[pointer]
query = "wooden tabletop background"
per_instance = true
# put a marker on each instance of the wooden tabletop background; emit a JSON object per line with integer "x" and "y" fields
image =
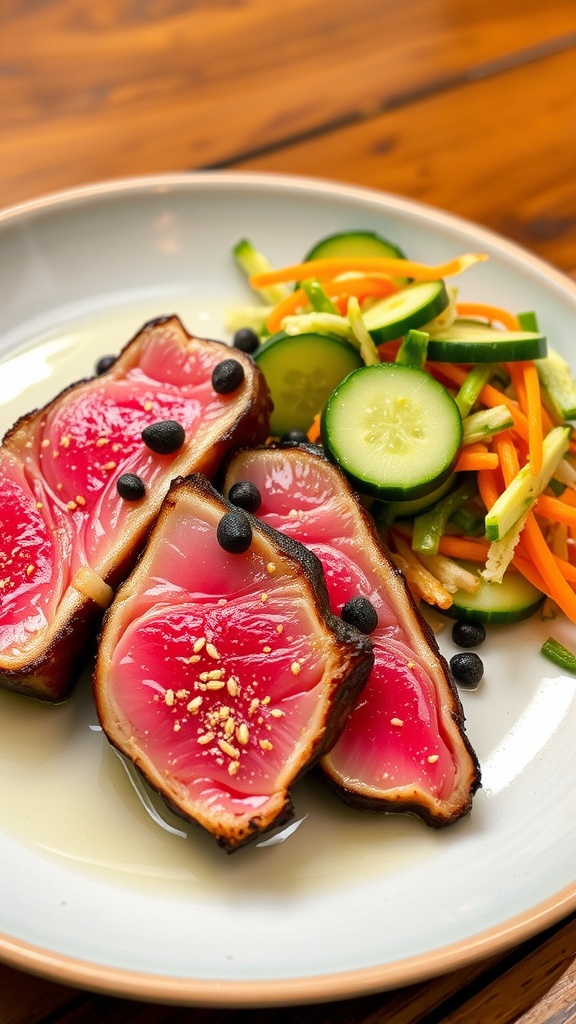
{"x": 464, "y": 105}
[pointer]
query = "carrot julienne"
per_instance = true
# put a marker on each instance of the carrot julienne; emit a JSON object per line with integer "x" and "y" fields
{"x": 333, "y": 265}
{"x": 488, "y": 312}
{"x": 534, "y": 546}
{"x": 473, "y": 458}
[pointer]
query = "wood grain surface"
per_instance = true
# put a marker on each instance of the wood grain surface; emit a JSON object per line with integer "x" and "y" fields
{"x": 467, "y": 106}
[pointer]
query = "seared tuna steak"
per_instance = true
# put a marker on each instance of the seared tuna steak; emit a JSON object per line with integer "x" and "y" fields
{"x": 82, "y": 479}
{"x": 221, "y": 672}
{"x": 403, "y": 748}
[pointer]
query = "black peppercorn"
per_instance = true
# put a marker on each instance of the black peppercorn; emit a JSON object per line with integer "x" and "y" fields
{"x": 361, "y": 613}
{"x": 467, "y": 669}
{"x": 245, "y": 495}
{"x": 104, "y": 363}
{"x": 130, "y": 487}
{"x": 234, "y": 532}
{"x": 164, "y": 437}
{"x": 227, "y": 376}
{"x": 246, "y": 340}
{"x": 468, "y": 634}
{"x": 299, "y": 436}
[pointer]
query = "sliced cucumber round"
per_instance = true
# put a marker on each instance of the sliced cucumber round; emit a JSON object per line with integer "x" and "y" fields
{"x": 412, "y": 307}
{"x": 512, "y": 600}
{"x": 393, "y": 430}
{"x": 301, "y": 372}
{"x": 387, "y": 511}
{"x": 354, "y": 243}
{"x": 469, "y": 341}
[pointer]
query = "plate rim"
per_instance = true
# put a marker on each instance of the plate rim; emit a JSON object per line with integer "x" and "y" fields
{"x": 130, "y": 983}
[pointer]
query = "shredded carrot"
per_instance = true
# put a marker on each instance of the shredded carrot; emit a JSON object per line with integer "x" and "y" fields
{"x": 473, "y": 458}
{"x": 533, "y": 546}
{"x": 524, "y": 377}
{"x": 295, "y": 302}
{"x": 489, "y": 485}
{"x": 333, "y": 265}
{"x": 487, "y": 312}
{"x": 468, "y": 548}
{"x": 556, "y": 509}
{"x": 507, "y": 455}
{"x": 314, "y": 429}
{"x": 361, "y": 287}
{"x": 489, "y": 395}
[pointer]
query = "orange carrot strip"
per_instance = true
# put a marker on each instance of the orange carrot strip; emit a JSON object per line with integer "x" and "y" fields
{"x": 293, "y": 303}
{"x": 333, "y": 265}
{"x": 314, "y": 429}
{"x": 507, "y": 455}
{"x": 489, "y": 395}
{"x": 468, "y": 548}
{"x": 489, "y": 485}
{"x": 555, "y": 508}
{"x": 487, "y": 312}
{"x": 471, "y": 461}
{"x": 534, "y": 546}
{"x": 534, "y": 414}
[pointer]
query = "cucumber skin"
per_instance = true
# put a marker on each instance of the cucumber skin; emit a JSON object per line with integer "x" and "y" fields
{"x": 414, "y": 320}
{"x": 503, "y": 348}
{"x": 283, "y": 419}
{"x": 354, "y": 243}
{"x": 463, "y": 607}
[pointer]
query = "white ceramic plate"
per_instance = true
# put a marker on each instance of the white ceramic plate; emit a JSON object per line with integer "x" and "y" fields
{"x": 93, "y": 889}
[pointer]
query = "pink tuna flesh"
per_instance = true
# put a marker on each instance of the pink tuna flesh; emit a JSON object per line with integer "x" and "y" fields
{"x": 403, "y": 747}
{"x": 222, "y": 675}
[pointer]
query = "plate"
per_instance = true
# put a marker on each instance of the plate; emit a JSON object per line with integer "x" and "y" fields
{"x": 100, "y": 887}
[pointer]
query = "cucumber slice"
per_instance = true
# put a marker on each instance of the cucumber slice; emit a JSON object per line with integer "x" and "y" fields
{"x": 511, "y": 600}
{"x": 469, "y": 341}
{"x": 394, "y": 431}
{"x": 301, "y": 372}
{"x": 412, "y": 307}
{"x": 354, "y": 243}
{"x": 385, "y": 512}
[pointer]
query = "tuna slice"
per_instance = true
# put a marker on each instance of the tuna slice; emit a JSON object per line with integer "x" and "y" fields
{"x": 67, "y": 535}
{"x": 403, "y": 748}
{"x": 225, "y": 676}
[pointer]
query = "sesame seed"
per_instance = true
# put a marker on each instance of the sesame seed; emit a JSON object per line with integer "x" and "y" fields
{"x": 108, "y": 466}
{"x": 205, "y": 738}
{"x": 295, "y": 668}
{"x": 292, "y": 514}
{"x": 254, "y": 703}
{"x": 265, "y": 700}
{"x": 45, "y": 443}
{"x": 169, "y": 698}
{"x": 263, "y": 598}
{"x": 80, "y": 500}
{"x": 215, "y": 684}
{"x": 39, "y": 505}
{"x": 229, "y": 727}
{"x": 242, "y": 734}
{"x": 212, "y": 652}
{"x": 194, "y": 706}
{"x": 199, "y": 644}
{"x": 30, "y": 569}
{"x": 279, "y": 628}
{"x": 266, "y": 650}
{"x": 433, "y": 758}
{"x": 271, "y": 568}
{"x": 224, "y": 712}
{"x": 216, "y": 673}
{"x": 71, "y": 505}
{"x": 101, "y": 442}
{"x": 147, "y": 406}
{"x": 265, "y": 745}
{"x": 65, "y": 440}
{"x": 177, "y": 726}
{"x": 233, "y": 767}
{"x": 232, "y": 686}
{"x": 227, "y": 748}
{"x": 276, "y": 713}
{"x": 182, "y": 694}
{"x": 397, "y": 722}
{"x": 193, "y": 659}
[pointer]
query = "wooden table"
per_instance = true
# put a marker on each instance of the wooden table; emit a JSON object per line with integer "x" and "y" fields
{"x": 467, "y": 106}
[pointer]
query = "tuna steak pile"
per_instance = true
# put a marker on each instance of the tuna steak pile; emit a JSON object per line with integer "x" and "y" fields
{"x": 83, "y": 478}
{"x": 222, "y": 673}
{"x": 404, "y": 746}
